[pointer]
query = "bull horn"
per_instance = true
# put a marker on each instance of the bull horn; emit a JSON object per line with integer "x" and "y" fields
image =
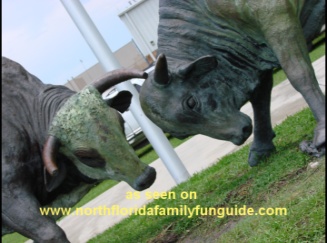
{"x": 49, "y": 154}
{"x": 117, "y": 76}
{"x": 161, "y": 73}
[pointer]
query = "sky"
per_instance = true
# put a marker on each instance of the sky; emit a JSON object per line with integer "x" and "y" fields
{"x": 42, "y": 37}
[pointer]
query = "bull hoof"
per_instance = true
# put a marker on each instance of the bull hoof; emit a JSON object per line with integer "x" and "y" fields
{"x": 256, "y": 156}
{"x": 309, "y": 148}
{"x": 320, "y": 135}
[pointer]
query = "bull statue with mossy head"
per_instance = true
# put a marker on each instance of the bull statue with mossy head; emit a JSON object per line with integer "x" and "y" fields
{"x": 57, "y": 144}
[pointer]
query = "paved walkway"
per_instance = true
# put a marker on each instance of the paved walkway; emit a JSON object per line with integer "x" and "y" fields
{"x": 197, "y": 154}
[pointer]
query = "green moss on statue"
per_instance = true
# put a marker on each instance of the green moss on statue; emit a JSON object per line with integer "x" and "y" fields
{"x": 76, "y": 118}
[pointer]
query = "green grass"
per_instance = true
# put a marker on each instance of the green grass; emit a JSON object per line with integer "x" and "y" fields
{"x": 148, "y": 155}
{"x": 303, "y": 193}
{"x": 283, "y": 180}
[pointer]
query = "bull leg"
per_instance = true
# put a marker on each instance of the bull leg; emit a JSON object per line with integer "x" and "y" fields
{"x": 289, "y": 45}
{"x": 262, "y": 145}
{"x": 312, "y": 19}
{"x": 20, "y": 211}
{"x": 70, "y": 199}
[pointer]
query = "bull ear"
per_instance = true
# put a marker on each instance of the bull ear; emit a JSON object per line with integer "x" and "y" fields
{"x": 121, "y": 101}
{"x": 198, "y": 67}
{"x": 161, "y": 73}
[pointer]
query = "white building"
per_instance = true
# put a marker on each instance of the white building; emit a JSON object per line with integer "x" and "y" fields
{"x": 141, "y": 18}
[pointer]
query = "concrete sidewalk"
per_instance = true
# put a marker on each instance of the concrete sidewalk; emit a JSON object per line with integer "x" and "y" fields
{"x": 197, "y": 154}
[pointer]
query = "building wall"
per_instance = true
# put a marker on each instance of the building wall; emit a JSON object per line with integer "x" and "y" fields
{"x": 128, "y": 56}
{"x": 142, "y": 19}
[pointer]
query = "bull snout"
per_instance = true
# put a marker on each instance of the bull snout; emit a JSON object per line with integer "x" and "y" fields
{"x": 246, "y": 132}
{"x": 243, "y": 131}
{"x": 145, "y": 180}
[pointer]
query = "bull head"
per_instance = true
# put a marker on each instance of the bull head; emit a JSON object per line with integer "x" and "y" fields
{"x": 195, "y": 98}
{"x": 91, "y": 134}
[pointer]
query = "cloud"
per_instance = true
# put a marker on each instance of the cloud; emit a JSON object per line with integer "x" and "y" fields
{"x": 43, "y": 38}
{"x": 32, "y": 35}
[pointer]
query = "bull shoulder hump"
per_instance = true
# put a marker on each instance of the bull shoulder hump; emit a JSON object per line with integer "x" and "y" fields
{"x": 204, "y": 33}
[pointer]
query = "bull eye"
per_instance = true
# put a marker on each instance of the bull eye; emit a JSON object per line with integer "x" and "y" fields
{"x": 93, "y": 162}
{"x": 90, "y": 158}
{"x": 191, "y": 102}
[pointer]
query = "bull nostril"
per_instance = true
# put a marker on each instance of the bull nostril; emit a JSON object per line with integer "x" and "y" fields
{"x": 142, "y": 185}
{"x": 247, "y": 130}
{"x": 146, "y": 179}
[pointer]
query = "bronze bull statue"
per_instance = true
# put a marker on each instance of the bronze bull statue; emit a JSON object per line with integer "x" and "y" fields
{"x": 214, "y": 56}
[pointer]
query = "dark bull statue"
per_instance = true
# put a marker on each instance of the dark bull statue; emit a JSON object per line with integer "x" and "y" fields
{"x": 57, "y": 144}
{"x": 214, "y": 56}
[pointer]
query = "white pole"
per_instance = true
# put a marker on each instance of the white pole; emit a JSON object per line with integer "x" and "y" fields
{"x": 108, "y": 61}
